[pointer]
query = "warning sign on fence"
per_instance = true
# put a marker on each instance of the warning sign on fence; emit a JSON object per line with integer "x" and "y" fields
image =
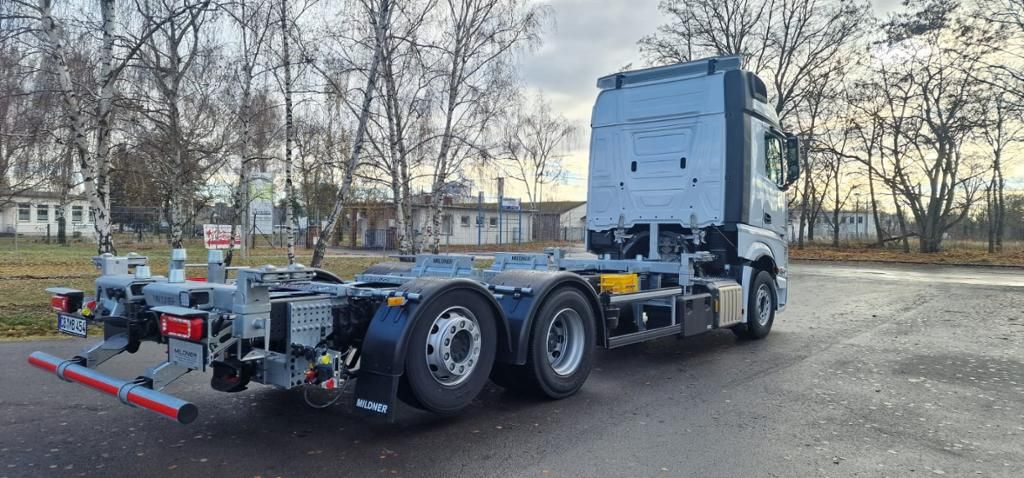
{"x": 218, "y": 236}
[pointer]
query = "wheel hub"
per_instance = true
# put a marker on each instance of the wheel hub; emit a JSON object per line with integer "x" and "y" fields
{"x": 453, "y": 346}
{"x": 565, "y": 342}
{"x": 764, "y": 305}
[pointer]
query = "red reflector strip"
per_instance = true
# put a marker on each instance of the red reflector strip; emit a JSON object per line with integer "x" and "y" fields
{"x": 90, "y": 382}
{"x": 148, "y": 404}
{"x": 49, "y": 367}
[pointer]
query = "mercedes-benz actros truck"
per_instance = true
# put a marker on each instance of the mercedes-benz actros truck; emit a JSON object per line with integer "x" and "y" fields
{"x": 686, "y": 233}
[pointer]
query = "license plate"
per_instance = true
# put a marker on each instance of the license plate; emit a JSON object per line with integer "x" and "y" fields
{"x": 71, "y": 325}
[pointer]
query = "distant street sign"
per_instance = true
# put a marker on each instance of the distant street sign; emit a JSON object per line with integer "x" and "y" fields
{"x": 218, "y": 236}
{"x": 510, "y": 204}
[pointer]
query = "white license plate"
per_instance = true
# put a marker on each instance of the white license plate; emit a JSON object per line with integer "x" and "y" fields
{"x": 67, "y": 324}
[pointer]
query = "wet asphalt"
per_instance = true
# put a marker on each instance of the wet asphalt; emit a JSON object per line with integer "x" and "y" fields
{"x": 871, "y": 371}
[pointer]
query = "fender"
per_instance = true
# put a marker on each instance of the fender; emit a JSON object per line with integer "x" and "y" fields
{"x": 520, "y": 311}
{"x": 382, "y": 358}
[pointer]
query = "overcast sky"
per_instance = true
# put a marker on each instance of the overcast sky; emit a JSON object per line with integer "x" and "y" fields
{"x": 589, "y": 39}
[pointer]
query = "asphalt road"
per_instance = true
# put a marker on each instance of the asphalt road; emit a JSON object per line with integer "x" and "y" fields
{"x": 871, "y": 371}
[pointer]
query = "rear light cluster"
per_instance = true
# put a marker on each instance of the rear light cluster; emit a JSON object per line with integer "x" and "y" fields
{"x": 61, "y": 303}
{"x": 188, "y": 328}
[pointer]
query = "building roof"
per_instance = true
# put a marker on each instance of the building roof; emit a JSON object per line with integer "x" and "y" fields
{"x": 546, "y": 207}
{"x": 558, "y": 207}
{"x": 39, "y": 195}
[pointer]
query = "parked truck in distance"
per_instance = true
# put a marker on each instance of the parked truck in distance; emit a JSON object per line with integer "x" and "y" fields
{"x": 686, "y": 233}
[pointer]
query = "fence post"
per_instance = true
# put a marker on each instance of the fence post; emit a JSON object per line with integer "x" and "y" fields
{"x": 519, "y": 234}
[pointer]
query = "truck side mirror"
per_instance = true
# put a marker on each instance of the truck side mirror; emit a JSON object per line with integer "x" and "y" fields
{"x": 792, "y": 160}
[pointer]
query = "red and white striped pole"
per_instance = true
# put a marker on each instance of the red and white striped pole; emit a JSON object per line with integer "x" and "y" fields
{"x": 129, "y": 392}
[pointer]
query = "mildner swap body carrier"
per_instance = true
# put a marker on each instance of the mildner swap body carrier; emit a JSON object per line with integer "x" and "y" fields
{"x": 686, "y": 219}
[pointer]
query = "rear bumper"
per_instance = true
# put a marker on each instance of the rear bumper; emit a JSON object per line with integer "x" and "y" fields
{"x": 130, "y": 392}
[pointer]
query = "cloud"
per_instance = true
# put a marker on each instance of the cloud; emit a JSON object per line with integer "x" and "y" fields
{"x": 585, "y": 41}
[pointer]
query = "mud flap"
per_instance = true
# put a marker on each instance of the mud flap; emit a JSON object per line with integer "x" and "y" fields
{"x": 383, "y": 352}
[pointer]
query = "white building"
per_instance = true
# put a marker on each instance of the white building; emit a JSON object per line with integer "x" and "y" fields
{"x": 34, "y": 213}
{"x": 852, "y": 225}
{"x": 372, "y": 225}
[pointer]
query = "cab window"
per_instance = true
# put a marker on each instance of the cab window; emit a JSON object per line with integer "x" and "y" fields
{"x": 774, "y": 158}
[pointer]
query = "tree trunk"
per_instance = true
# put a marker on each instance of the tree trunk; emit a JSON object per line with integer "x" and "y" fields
{"x": 879, "y": 237}
{"x": 289, "y": 132}
{"x": 104, "y": 122}
{"x": 835, "y": 213}
{"x": 903, "y": 225}
{"x": 1000, "y": 205}
{"x": 93, "y": 174}
{"x": 990, "y": 215}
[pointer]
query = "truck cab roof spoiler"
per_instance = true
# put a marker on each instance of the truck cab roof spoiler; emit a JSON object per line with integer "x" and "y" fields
{"x": 704, "y": 66}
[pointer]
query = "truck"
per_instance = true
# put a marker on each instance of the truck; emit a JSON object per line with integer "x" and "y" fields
{"x": 686, "y": 233}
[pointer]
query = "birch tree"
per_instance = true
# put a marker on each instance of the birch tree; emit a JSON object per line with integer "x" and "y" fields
{"x": 289, "y": 134}
{"x": 184, "y": 135}
{"x": 252, "y": 20}
{"x": 476, "y": 40}
{"x": 378, "y": 12}
{"x": 401, "y": 137}
{"x": 92, "y": 157}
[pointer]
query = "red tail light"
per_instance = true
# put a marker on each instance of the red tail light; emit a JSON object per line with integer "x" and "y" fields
{"x": 188, "y": 328}
{"x": 61, "y": 303}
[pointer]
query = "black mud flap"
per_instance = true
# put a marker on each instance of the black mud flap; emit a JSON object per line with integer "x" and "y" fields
{"x": 375, "y": 395}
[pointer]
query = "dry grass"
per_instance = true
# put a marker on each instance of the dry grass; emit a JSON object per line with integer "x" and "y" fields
{"x": 25, "y": 273}
{"x": 954, "y": 253}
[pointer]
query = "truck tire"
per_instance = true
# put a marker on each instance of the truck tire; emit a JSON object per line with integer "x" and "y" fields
{"x": 561, "y": 348}
{"x": 450, "y": 353}
{"x": 762, "y": 301}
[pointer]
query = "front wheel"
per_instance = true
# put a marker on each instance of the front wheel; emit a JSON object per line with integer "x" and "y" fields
{"x": 762, "y": 301}
{"x": 561, "y": 349}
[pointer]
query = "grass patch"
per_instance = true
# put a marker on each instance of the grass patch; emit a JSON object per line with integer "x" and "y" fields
{"x": 955, "y": 253}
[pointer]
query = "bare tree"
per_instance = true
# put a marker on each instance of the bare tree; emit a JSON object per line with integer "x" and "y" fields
{"x": 477, "y": 37}
{"x": 252, "y": 19}
{"x": 402, "y": 136}
{"x": 378, "y": 12}
{"x": 92, "y": 158}
{"x": 785, "y": 41}
{"x": 532, "y": 144}
{"x": 932, "y": 98}
{"x": 289, "y": 134}
{"x": 1001, "y": 129}
{"x": 183, "y": 133}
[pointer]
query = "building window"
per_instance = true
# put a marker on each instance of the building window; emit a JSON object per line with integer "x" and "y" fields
{"x": 43, "y": 213}
{"x": 24, "y": 212}
{"x": 446, "y": 224}
{"x": 464, "y": 221}
{"x": 76, "y": 214}
{"x": 492, "y": 221}
{"x": 860, "y": 219}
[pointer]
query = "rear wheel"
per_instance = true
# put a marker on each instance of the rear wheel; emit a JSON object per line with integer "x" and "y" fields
{"x": 762, "y": 302}
{"x": 561, "y": 348}
{"x": 450, "y": 353}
